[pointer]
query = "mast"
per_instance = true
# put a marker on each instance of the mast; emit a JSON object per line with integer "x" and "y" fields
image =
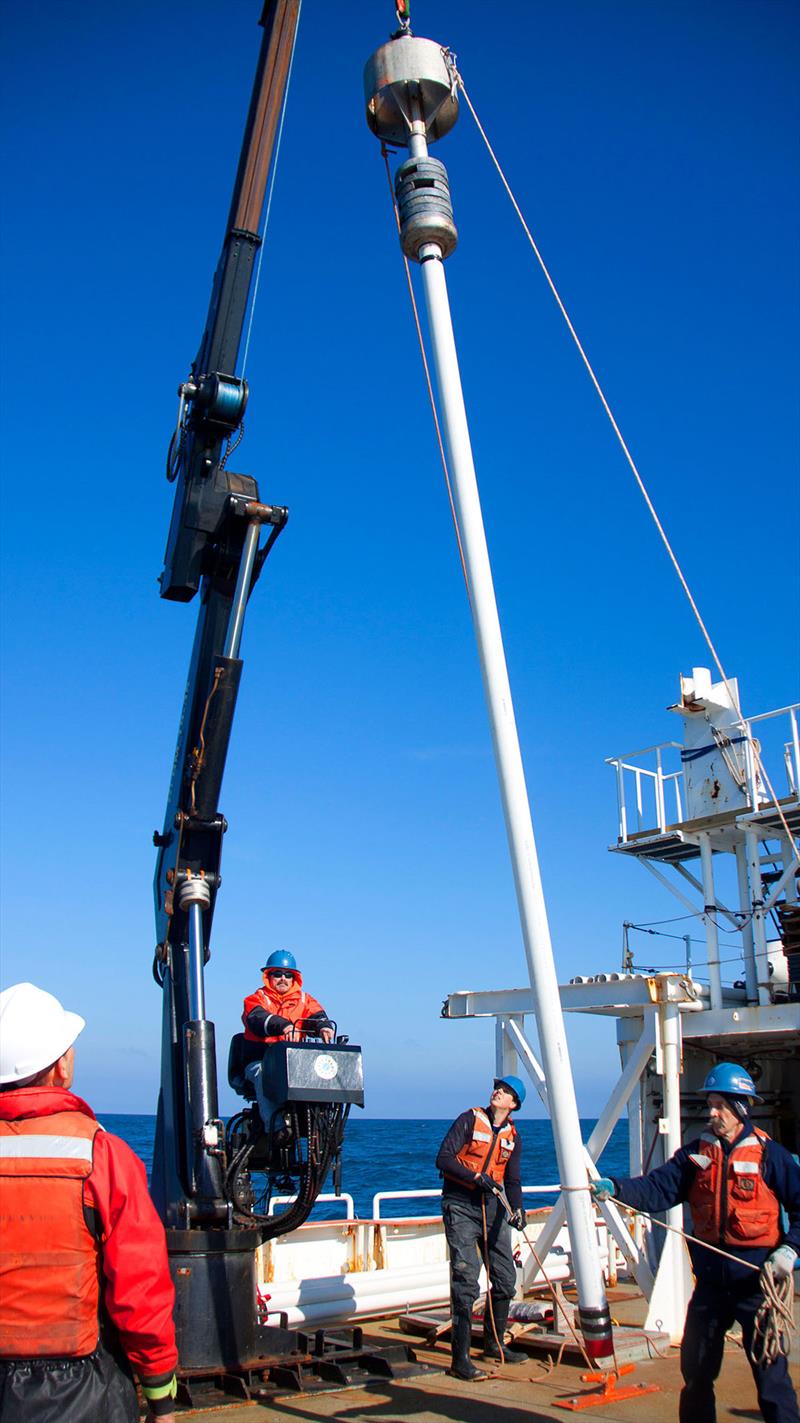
{"x": 411, "y": 101}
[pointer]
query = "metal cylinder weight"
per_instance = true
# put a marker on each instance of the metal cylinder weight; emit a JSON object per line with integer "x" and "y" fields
{"x": 424, "y": 206}
{"x": 407, "y": 80}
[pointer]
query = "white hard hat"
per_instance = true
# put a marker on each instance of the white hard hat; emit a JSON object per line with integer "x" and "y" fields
{"x": 35, "y": 1031}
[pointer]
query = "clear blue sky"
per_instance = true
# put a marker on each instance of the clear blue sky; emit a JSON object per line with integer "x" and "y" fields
{"x": 654, "y": 150}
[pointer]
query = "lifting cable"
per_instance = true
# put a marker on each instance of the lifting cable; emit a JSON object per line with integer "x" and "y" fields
{"x": 450, "y": 61}
{"x": 558, "y": 1303}
{"x": 774, "y": 1322}
{"x": 271, "y": 190}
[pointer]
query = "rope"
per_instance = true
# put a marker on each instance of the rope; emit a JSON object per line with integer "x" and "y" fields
{"x": 557, "y": 1302}
{"x": 489, "y": 1305}
{"x": 625, "y": 450}
{"x": 429, "y": 383}
{"x": 273, "y": 175}
{"x": 715, "y": 1249}
{"x": 774, "y": 1322}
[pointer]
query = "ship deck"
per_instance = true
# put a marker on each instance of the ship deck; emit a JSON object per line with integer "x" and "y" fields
{"x": 513, "y": 1393}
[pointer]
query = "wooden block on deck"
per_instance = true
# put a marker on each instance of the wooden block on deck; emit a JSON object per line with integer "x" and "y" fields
{"x": 630, "y": 1343}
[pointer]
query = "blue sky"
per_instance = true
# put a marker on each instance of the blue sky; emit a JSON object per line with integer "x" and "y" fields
{"x": 653, "y": 149}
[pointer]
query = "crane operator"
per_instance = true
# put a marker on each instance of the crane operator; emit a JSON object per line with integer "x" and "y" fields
{"x": 279, "y": 1010}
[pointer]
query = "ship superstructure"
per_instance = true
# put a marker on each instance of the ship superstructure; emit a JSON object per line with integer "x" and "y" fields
{"x": 713, "y": 818}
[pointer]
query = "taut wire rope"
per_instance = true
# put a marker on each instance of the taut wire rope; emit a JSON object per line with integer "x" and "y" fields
{"x": 624, "y": 447}
{"x": 774, "y": 1322}
{"x": 272, "y": 177}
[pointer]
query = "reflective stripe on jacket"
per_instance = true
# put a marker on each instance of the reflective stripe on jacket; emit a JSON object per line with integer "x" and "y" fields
{"x": 294, "y": 1005}
{"x": 49, "y": 1269}
{"x": 730, "y": 1201}
{"x": 488, "y": 1151}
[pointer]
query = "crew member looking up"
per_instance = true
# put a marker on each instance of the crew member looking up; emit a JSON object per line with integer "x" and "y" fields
{"x": 85, "y": 1291}
{"x": 281, "y": 1008}
{"x": 480, "y": 1153}
{"x": 735, "y": 1180}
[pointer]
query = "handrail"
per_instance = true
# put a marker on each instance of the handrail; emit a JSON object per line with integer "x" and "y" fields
{"x": 781, "y": 711}
{"x": 326, "y": 1196}
{"x": 396, "y": 1196}
{"x": 643, "y": 751}
{"x": 408, "y": 1195}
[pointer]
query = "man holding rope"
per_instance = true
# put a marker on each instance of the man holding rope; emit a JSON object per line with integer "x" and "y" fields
{"x": 479, "y": 1158}
{"x": 736, "y": 1181}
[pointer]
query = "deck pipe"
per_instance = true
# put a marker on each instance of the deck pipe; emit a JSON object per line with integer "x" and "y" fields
{"x": 420, "y": 101}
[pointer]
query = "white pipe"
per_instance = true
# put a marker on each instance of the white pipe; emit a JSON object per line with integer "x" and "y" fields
{"x": 375, "y": 1282}
{"x": 745, "y": 904}
{"x": 751, "y": 841}
{"x": 710, "y": 920}
{"x": 317, "y": 1308}
{"x": 789, "y": 853}
{"x": 519, "y": 828}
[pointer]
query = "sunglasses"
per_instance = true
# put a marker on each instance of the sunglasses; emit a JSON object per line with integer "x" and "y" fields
{"x": 279, "y": 973}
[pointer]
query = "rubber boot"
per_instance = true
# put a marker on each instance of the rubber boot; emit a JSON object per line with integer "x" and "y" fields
{"x": 499, "y": 1310}
{"x": 462, "y": 1366}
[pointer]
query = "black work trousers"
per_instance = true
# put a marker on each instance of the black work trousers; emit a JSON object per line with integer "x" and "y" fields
{"x": 92, "y": 1389}
{"x": 712, "y": 1311}
{"x": 463, "y": 1227}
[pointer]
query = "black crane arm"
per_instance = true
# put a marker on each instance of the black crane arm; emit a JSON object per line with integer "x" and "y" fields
{"x": 213, "y": 548}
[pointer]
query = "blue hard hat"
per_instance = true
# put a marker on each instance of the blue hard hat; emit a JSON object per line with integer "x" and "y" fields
{"x": 731, "y": 1080}
{"x": 515, "y": 1085}
{"x": 281, "y": 959}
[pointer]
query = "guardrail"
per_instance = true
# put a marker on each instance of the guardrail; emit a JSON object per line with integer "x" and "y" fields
{"x": 652, "y": 797}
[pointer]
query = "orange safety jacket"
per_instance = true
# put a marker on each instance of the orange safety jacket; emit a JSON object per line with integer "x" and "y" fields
{"x": 294, "y": 1005}
{"x": 730, "y": 1201}
{"x": 51, "y": 1312}
{"x": 488, "y": 1151}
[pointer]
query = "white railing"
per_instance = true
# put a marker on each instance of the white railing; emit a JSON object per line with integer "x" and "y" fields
{"x": 349, "y": 1203}
{"x": 331, "y": 1272}
{"x": 651, "y": 795}
{"x": 657, "y": 798}
{"x": 381, "y": 1196}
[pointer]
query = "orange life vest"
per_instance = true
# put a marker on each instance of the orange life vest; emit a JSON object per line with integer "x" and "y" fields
{"x": 50, "y": 1264}
{"x": 750, "y": 1214}
{"x": 487, "y": 1150}
{"x": 294, "y": 1005}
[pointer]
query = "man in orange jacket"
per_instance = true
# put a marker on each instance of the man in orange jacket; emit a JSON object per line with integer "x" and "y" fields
{"x": 280, "y": 1009}
{"x": 85, "y": 1292}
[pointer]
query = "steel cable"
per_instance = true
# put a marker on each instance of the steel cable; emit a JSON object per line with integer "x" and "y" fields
{"x": 625, "y": 450}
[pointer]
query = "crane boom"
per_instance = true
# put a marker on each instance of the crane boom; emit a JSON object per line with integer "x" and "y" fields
{"x": 213, "y": 548}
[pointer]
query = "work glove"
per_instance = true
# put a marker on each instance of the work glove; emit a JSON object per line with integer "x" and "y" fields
{"x": 519, "y": 1220}
{"x": 602, "y": 1189}
{"x": 485, "y": 1183}
{"x": 782, "y": 1261}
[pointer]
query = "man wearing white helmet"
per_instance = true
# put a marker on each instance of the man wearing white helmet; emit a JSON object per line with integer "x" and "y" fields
{"x": 736, "y": 1181}
{"x": 85, "y": 1292}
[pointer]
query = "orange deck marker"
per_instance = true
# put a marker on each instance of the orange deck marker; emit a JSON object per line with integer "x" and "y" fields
{"x": 608, "y": 1393}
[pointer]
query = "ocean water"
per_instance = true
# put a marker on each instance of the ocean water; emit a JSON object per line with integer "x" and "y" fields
{"x": 399, "y": 1155}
